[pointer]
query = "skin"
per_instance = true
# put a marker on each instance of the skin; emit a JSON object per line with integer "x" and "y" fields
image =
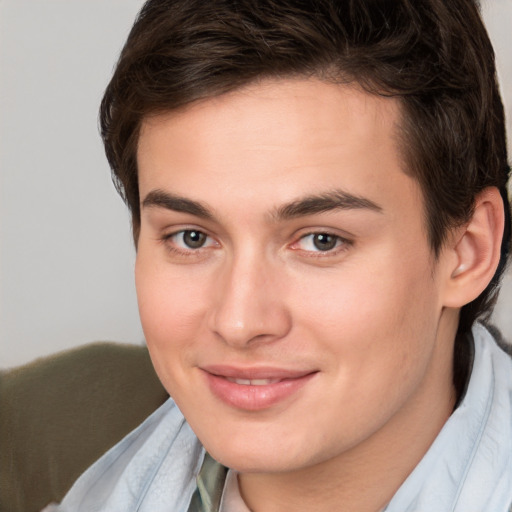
{"x": 368, "y": 318}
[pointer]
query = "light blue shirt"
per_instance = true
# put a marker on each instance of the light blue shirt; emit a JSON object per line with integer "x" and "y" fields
{"x": 468, "y": 468}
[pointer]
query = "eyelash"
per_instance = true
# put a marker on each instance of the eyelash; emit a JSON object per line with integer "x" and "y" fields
{"x": 341, "y": 243}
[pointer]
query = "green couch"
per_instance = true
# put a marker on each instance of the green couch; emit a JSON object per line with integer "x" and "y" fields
{"x": 60, "y": 413}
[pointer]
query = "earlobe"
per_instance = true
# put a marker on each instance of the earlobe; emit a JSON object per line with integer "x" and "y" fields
{"x": 476, "y": 250}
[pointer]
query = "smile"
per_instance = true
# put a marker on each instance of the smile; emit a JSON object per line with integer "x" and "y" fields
{"x": 255, "y": 390}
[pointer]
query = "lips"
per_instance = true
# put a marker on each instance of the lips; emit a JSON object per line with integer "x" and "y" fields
{"x": 255, "y": 389}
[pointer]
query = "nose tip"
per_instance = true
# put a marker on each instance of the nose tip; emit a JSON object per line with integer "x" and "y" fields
{"x": 244, "y": 334}
{"x": 249, "y": 309}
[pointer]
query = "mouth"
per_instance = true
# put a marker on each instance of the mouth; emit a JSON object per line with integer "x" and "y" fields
{"x": 255, "y": 389}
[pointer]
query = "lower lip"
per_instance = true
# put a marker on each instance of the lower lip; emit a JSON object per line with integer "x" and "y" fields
{"x": 255, "y": 398}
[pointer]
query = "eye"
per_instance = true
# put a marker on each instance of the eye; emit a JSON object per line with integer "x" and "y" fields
{"x": 320, "y": 242}
{"x": 190, "y": 239}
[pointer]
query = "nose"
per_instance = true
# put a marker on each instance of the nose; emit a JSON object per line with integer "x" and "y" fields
{"x": 249, "y": 306}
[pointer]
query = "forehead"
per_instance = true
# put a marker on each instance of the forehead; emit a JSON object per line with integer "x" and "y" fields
{"x": 273, "y": 141}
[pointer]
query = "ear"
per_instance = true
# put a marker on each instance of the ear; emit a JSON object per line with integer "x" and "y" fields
{"x": 474, "y": 250}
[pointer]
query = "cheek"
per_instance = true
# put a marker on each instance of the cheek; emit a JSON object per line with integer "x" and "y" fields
{"x": 376, "y": 339}
{"x": 364, "y": 297}
{"x": 171, "y": 309}
{"x": 376, "y": 318}
{"x": 169, "y": 298}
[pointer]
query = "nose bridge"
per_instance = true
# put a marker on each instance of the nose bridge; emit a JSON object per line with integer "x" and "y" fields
{"x": 249, "y": 305}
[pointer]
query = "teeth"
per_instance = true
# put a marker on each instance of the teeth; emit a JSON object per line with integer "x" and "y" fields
{"x": 243, "y": 382}
{"x": 253, "y": 382}
{"x": 262, "y": 382}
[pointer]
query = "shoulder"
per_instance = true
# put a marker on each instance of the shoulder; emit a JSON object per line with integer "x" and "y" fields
{"x": 153, "y": 467}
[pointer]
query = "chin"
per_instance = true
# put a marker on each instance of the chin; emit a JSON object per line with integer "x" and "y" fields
{"x": 267, "y": 453}
{"x": 253, "y": 461}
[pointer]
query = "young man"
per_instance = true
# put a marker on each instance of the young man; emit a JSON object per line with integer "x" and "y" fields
{"x": 318, "y": 195}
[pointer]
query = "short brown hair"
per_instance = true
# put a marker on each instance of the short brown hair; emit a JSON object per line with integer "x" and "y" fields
{"x": 433, "y": 55}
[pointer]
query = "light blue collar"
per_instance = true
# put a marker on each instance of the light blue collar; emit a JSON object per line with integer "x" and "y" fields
{"x": 468, "y": 468}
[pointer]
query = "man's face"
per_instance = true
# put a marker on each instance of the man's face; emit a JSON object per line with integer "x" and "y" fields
{"x": 288, "y": 294}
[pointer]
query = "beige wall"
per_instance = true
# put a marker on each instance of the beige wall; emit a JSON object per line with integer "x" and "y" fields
{"x": 498, "y": 17}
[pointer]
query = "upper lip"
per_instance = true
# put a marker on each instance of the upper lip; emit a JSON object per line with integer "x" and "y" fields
{"x": 262, "y": 372}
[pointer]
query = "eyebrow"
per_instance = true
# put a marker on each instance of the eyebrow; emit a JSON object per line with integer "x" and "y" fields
{"x": 334, "y": 200}
{"x": 308, "y": 205}
{"x": 161, "y": 199}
